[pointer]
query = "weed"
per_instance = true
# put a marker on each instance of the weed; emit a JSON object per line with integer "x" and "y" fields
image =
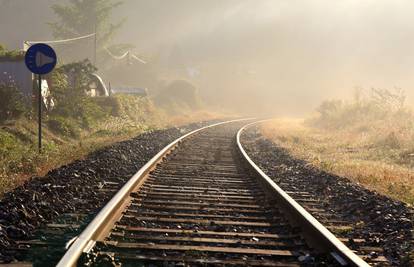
{"x": 63, "y": 126}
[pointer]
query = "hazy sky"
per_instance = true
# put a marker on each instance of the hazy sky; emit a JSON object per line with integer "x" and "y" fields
{"x": 289, "y": 54}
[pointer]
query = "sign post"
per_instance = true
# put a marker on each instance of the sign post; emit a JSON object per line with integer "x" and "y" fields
{"x": 39, "y": 113}
{"x": 40, "y": 59}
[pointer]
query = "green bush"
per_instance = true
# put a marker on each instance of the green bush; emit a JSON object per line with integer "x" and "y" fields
{"x": 8, "y": 143}
{"x": 12, "y": 103}
{"x": 179, "y": 96}
{"x": 90, "y": 112}
{"x": 63, "y": 126}
{"x": 110, "y": 105}
{"x": 134, "y": 107}
{"x": 69, "y": 84}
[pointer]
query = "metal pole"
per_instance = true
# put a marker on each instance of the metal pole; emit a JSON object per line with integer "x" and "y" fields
{"x": 40, "y": 113}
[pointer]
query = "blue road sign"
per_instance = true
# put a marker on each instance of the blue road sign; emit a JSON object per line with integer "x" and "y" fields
{"x": 40, "y": 59}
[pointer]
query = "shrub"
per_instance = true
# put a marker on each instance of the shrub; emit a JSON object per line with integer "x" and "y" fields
{"x": 134, "y": 107}
{"x": 69, "y": 83}
{"x": 12, "y": 102}
{"x": 10, "y": 54}
{"x": 90, "y": 112}
{"x": 378, "y": 105}
{"x": 63, "y": 126}
{"x": 8, "y": 143}
{"x": 179, "y": 96}
{"x": 110, "y": 105}
{"x": 390, "y": 141}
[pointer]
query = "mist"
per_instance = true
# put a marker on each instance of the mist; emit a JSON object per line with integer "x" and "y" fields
{"x": 262, "y": 56}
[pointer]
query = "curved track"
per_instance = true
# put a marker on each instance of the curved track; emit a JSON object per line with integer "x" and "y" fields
{"x": 202, "y": 201}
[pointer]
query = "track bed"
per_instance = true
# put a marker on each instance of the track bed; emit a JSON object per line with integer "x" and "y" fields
{"x": 201, "y": 206}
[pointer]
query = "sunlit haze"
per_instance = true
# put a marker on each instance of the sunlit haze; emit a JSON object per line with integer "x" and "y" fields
{"x": 281, "y": 57}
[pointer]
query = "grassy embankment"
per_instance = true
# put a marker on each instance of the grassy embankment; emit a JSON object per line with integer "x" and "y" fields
{"x": 65, "y": 139}
{"x": 78, "y": 124}
{"x": 369, "y": 140}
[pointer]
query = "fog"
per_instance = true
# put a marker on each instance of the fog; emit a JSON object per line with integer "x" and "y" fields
{"x": 270, "y": 56}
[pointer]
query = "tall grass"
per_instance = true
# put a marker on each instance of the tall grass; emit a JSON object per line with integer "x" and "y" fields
{"x": 66, "y": 138}
{"x": 369, "y": 139}
{"x": 379, "y": 114}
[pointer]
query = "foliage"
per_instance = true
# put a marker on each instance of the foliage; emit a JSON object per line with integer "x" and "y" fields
{"x": 80, "y": 72}
{"x": 91, "y": 112}
{"x": 388, "y": 100}
{"x": 134, "y": 107}
{"x": 377, "y": 105}
{"x": 178, "y": 96}
{"x": 64, "y": 126}
{"x": 110, "y": 105}
{"x": 69, "y": 83}
{"x": 10, "y": 54}
{"x": 80, "y": 17}
{"x": 75, "y": 108}
{"x": 369, "y": 139}
{"x": 12, "y": 104}
{"x": 7, "y": 143}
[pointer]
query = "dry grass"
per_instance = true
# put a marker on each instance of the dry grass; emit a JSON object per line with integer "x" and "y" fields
{"x": 369, "y": 156}
{"x": 20, "y": 160}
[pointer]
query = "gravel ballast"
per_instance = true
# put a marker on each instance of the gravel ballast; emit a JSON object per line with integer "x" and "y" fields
{"x": 73, "y": 188}
{"x": 382, "y": 221}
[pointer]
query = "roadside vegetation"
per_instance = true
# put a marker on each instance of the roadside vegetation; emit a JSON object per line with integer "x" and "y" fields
{"x": 69, "y": 137}
{"x": 6, "y": 54}
{"x": 369, "y": 140}
{"x": 76, "y": 123}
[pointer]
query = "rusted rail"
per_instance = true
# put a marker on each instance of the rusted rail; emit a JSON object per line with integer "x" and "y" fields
{"x": 202, "y": 201}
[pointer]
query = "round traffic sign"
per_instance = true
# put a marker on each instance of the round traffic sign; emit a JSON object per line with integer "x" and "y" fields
{"x": 40, "y": 59}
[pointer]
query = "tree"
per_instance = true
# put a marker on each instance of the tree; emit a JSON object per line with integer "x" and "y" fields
{"x": 82, "y": 17}
{"x": 69, "y": 84}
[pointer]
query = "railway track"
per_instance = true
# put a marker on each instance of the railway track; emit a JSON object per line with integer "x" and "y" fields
{"x": 202, "y": 201}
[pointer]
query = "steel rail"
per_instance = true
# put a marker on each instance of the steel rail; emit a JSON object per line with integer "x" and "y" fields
{"x": 322, "y": 238}
{"x": 87, "y": 238}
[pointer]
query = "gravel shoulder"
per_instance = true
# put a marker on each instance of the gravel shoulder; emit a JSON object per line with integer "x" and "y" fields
{"x": 380, "y": 220}
{"x": 75, "y": 188}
